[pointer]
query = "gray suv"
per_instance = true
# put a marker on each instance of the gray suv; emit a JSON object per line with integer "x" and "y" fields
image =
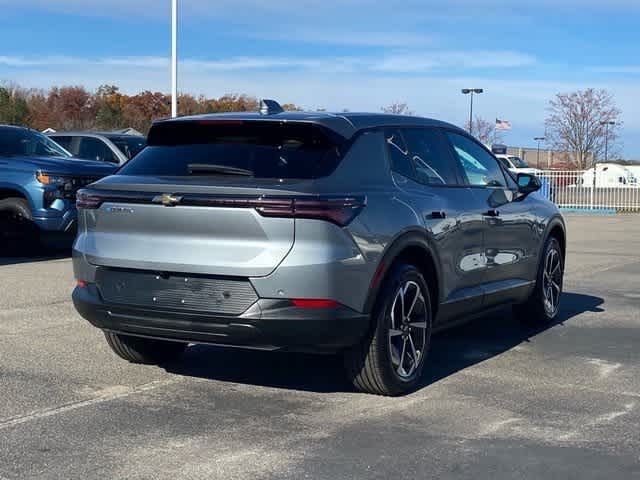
{"x": 357, "y": 234}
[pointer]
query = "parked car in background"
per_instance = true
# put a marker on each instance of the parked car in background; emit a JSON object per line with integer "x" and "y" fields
{"x": 516, "y": 165}
{"x": 356, "y": 234}
{"x": 38, "y": 184}
{"x": 108, "y": 147}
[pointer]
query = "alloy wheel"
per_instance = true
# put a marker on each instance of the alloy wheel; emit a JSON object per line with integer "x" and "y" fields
{"x": 408, "y": 330}
{"x": 552, "y": 282}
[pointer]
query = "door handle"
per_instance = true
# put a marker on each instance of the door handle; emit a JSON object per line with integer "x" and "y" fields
{"x": 492, "y": 213}
{"x": 439, "y": 214}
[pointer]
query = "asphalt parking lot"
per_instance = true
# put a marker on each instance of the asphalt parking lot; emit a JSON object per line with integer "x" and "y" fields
{"x": 499, "y": 400}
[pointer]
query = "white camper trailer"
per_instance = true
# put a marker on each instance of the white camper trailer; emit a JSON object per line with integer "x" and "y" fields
{"x": 635, "y": 171}
{"x": 609, "y": 175}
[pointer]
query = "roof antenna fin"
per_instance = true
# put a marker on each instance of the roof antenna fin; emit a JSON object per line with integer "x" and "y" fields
{"x": 270, "y": 107}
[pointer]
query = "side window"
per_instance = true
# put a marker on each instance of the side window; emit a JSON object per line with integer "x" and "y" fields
{"x": 430, "y": 156}
{"x": 64, "y": 142}
{"x": 480, "y": 167}
{"x": 398, "y": 153}
{"x": 94, "y": 149}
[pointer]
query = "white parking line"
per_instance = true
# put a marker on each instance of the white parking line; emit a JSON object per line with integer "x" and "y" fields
{"x": 50, "y": 412}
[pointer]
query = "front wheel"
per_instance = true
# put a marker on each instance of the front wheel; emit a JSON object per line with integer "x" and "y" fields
{"x": 17, "y": 229}
{"x": 144, "y": 350}
{"x": 390, "y": 360}
{"x": 544, "y": 304}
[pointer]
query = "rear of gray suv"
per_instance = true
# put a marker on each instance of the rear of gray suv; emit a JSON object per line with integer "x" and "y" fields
{"x": 300, "y": 232}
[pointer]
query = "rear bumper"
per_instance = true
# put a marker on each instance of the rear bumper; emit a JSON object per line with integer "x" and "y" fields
{"x": 268, "y": 324}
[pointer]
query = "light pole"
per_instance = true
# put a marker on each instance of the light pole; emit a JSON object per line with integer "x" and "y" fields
{"x": 539, "y": 139}
{"x": 174, "y": 58}
{"x": 606, "y": 138}
{"x": 606, "y": 124}
{"x": 467, "y": 91}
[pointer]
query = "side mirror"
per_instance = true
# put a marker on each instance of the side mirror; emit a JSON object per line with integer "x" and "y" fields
{"x": 528, "y": 183}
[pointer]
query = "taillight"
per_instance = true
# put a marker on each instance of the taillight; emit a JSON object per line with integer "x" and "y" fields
{"x": 87, "y": 201}
{"x": 338, "y": 210}
{"x": 335, "y": 209}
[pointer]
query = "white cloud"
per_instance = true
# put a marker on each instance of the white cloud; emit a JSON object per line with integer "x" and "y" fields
{"x": 351, "y": 37}
{"x": 19, "y": 62}
{"x": 618, "y": 69}
{"x": 472, "y": 59}
{"x": 394, "y": 63}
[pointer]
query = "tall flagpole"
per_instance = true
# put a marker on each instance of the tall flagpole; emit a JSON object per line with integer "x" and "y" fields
{"x": 174, "y": 58}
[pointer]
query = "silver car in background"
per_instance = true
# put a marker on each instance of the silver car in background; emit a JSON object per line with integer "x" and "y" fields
{"x": 111, "y": 147}
{"x": 355, "y": 234}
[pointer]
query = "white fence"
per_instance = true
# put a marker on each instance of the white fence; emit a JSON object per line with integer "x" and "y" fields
{"x": 576, "y": 189}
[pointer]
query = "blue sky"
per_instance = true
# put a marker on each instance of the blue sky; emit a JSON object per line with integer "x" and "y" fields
{"x": 354, "y": 54}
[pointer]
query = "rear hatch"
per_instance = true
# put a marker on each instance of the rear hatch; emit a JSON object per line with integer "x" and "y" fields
{"x": 207, "y": 197}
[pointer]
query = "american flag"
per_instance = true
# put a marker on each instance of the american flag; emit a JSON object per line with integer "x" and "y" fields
{"x": 502, "y": 124}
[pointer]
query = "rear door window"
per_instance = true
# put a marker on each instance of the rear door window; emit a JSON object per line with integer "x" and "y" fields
{"x": 399, "y": 154}
{"x": 430, "y": 156}
{"x": 421, "y": 154}
{"x": 260, "y": 149}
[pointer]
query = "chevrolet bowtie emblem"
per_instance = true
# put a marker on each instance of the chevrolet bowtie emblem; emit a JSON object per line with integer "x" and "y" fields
{"x": 167, "y": 199}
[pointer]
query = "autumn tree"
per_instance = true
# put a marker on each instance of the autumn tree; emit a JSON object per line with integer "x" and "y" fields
{"x": 40, "y": 115}
{"x": 109, "y": 102}
{"x": 397, "y": 108}
{"x": 138, "y": 111}
{"x": 190, "y": 105}
{"x": 232, "y": 102}
{"x": 577, "y": 123}
{"x": 291, "y": 107}
{"x": 72, "y": 108}
{"x": 13, "y": 105}
{"x": 485, "y": 131}
{"x": 75, "y": 108}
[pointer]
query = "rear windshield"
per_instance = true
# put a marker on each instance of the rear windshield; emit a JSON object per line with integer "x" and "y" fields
{"x": 257, "y": 149}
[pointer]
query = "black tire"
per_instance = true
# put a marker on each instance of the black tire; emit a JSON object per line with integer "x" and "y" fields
{"x": 537, "y": 310}
{"x": 144, "y": 350}
{"x": 17, "y": 230}
{"x": 371, "y": 366}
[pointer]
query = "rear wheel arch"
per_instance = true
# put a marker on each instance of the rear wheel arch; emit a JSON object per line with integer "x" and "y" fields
{"x": 412, "y": 248}
{"x": 556, "y": 228}
{"x": 557, "y": 231}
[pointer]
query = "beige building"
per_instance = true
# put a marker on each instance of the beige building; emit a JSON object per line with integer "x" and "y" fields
{"x": 545, "y": 159}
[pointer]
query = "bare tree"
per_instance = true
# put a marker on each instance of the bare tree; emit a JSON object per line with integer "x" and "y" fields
{"x": 575, "y": 125}
{"x": 485, "y": 131}
{"x": 398, "y": 108}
